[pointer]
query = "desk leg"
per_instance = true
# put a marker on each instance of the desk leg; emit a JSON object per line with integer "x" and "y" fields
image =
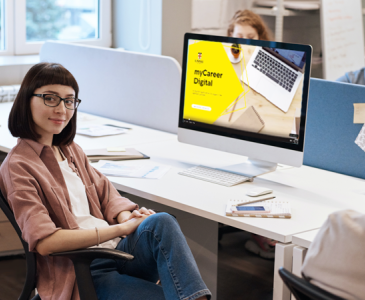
{"x": 283, "y": 258}
{"x": 298, "y": 258}
{"x": 201, "y": 235}
{"x": 299, "y": 254}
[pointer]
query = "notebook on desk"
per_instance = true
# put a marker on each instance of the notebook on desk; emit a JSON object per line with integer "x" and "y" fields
{"x": 272, "y": 209}
{"x": 104, "y": 154}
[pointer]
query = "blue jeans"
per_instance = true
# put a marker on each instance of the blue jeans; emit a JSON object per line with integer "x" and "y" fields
{"x": 160, "y": 252}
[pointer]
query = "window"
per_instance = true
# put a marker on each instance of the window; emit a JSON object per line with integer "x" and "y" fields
{"x": 2, "y": 39}
{"x": 6, "y": 27}
{"x": 36, "y": 21}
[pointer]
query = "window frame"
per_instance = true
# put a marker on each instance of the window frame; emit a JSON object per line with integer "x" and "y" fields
{"x": 8, "y": 31}
{"x": 21, "y": 47}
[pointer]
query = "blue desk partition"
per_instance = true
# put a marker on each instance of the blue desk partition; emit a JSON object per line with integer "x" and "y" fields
{"x": 330, "y": 133}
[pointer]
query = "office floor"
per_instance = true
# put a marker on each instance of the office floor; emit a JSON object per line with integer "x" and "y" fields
{"x": 241, "y": 275}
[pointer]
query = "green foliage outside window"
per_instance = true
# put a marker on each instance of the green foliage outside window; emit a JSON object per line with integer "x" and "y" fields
{"x": 44, "y": 20}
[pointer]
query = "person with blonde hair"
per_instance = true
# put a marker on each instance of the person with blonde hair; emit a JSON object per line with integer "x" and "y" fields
{"x": 248, "y": 25}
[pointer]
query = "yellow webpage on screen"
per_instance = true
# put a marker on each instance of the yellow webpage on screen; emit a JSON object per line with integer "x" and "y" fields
{"x": 211, "y": 82}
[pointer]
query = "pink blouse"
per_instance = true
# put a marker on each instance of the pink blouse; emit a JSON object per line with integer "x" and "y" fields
{"x": 32, "y": 182}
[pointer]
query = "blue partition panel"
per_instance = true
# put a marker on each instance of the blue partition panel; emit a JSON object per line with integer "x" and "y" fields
{"x": 330, "y": 132}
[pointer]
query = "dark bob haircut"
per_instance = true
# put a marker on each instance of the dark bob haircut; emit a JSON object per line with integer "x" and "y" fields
{"x": 21, "y": 123}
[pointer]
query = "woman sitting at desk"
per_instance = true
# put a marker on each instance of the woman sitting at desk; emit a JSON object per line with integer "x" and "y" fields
{"x": 61, "y": 203}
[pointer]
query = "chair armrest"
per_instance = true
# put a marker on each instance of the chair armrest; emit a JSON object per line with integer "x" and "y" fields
{"x": 82, "y": 260}
{"x": 93, "y": 253}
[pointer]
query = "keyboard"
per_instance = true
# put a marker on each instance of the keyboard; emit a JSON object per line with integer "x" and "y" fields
{"x": 275, "y": 70}
{"x": 214, "y": 176}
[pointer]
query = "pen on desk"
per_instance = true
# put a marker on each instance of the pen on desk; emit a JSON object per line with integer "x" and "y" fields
{"x": 117, "y": 126}
{"x": 257, "y": 200}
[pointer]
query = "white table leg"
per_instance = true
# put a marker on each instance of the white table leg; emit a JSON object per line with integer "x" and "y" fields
{"x": 283, "y": 258}
{"x": 298, "y": 258}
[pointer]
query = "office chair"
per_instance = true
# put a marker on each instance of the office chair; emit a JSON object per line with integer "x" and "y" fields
{"x": 80, "y": 258}
{"x": 303, "y": 289}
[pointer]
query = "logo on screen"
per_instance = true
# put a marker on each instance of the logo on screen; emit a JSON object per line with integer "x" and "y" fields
{"x": 199, "y": 60}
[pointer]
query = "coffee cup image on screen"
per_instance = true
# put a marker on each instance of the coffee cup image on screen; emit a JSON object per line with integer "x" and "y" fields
{"x": 259, "y": 90}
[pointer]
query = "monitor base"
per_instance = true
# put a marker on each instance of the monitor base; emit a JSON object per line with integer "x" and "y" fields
{"x": 251, "y": 168}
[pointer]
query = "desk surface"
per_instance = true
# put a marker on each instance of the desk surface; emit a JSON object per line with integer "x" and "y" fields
{"x": 313, "y": 193}
{"x": 305, "y": 188}
{"x": 304, "y": 239}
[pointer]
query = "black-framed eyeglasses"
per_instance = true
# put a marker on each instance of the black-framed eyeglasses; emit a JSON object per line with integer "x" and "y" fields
{"x": 55, "y": 100}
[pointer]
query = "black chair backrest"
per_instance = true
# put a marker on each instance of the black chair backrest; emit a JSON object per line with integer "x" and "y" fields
{"x": 30, "y": 281}
{"x": 303, "y": 289}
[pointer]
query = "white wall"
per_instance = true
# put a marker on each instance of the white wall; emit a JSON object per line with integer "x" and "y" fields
{"x": 137, "y": 25}
{"x": 161, "y": 22}
{"x": 13, "y": 74}
{"x": 176, "y": 21}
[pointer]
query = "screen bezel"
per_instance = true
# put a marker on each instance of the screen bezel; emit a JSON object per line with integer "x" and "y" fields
{"x": 239, "y": 134}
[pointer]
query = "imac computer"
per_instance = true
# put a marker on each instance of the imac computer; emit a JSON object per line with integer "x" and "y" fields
{"x": 247, "y": 97}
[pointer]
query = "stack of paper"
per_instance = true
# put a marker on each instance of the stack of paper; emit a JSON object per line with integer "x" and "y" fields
{"x": 120, "y": 169}
{"x": 106, "y": 154}
{"x": 272, "y": 209}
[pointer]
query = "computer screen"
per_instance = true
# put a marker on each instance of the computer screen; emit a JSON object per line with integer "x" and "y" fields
{"x": 248, "y": 90}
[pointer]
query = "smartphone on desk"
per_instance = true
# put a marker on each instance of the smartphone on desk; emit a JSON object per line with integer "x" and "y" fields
{"x": 249, "y": 209}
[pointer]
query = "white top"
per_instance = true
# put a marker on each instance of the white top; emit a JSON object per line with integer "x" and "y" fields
{"x": 80, "y": 205}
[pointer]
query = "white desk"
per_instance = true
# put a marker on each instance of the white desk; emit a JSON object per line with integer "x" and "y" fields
{"x": 304, "y": 239}
{"x": 310, "y": 206}
{"x": 302, "y": 242}
{"x": 313, "y": 194}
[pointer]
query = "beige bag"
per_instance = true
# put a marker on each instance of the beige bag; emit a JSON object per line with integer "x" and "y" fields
{"x": 335, "y": 260}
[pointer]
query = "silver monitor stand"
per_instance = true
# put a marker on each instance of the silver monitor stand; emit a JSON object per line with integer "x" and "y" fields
{"x": 251, "y": 168}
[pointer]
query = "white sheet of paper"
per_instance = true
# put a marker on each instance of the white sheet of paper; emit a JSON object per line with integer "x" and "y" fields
{"x": 82, "y": 117}
{"x": 120, "y": 169}
{"x": 115, "y": 149}
{"x": 360, "y": 140}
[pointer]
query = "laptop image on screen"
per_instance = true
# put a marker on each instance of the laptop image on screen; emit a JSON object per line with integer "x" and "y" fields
{"x": 275, "y": 74}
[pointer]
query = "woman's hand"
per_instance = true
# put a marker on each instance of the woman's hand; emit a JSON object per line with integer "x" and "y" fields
{"x": 135, "y": 214}
{"x": 132, "y": 220}
{"x": 131, "y": 225}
